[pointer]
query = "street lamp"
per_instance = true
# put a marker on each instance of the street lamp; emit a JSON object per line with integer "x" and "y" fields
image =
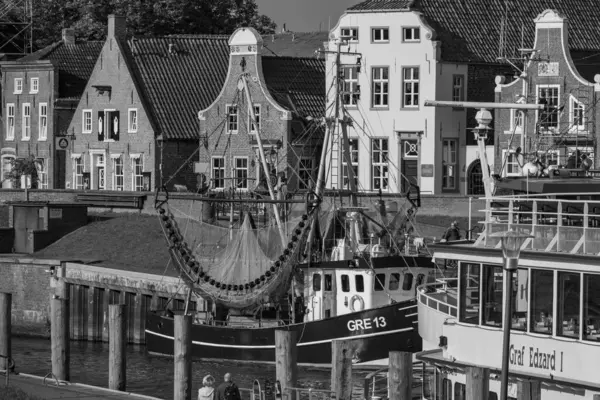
{"x": 511, "y": 248}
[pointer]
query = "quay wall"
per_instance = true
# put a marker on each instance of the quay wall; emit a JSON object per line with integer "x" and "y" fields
{"x": 91, "y": 290}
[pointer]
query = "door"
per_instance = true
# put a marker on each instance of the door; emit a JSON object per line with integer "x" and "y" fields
{"x": 409, "y": 164}
{"x": 329, "y": 307}
{"x": 313, "y": 292}
{"x": 100, "y": 178}
{"x": 26, "y": 220}
{"x": 60, "y": 169}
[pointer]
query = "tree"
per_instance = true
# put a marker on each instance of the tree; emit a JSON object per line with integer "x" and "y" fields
{"x": 24, "y": 167}
{"x": 145, "y": 18}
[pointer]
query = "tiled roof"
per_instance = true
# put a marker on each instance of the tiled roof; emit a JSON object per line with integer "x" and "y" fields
{"x": 469, "y": 30}
{"x": 298, "y": 84}
{"x": 177, "y": 85}
{"x": 75, "y": 63}
{"x": 292, "y": 44}
{"x": 381, "y": 5}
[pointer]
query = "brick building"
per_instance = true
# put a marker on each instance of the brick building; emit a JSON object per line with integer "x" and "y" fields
{"x": 39, "y": 95}
{"x": 288, "y": 98}
{"x": 570, "y": 91}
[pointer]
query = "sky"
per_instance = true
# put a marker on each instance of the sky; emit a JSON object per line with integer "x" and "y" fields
{"x": 304, "y": 15}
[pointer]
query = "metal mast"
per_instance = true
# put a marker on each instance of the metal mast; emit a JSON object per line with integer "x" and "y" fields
{"x": 16, "y": 27}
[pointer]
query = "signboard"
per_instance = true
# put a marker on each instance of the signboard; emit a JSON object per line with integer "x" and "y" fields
{"x": 56, "y": 213}
{"x": 548, "y": 69}
{"x": 427, "y": 170}
{"x": 63, "y": 143}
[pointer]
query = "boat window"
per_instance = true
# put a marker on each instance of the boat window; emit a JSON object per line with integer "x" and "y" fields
{"x": 591, "y": 307}
{"x": 519, "y": 300}
{"x": 491, "y": 286}
{"x": 328, "y": 283}
{"x": 345, "y": 283}
{"x": 408, "y": 280}
{"x": 420, "y": 279}
{"x": 316, "y": 282}
{"x": 569, "y": 289}
{"x": 359, "y": 282}
{"x": 379, "y": 283}
{"x": 492, "y": 396}
{"x": 446, "y": 389}
{"x": 460, "y": 390}
{"x": 542, "y": 295}
{"x": 469, "y": 293}
{"x": 394, "y": 281}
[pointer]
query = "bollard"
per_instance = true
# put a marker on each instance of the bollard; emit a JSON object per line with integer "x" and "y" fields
{"x": 117, "y": 363}
{"x": 59, "y": 335}
{"x": 183, "y": 357}
{"x": 400, "y": 375}
{"x": 5, "y": 327}
{"x": 341, "y": 368}
{"x": 285, "y": 362}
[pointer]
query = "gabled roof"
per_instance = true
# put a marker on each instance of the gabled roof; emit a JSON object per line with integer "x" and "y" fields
{"x": 381, "y": 5}
{"x": 178, "y": 84}
{"x": 469, "y": 30}
{"x": 75, "y": 63}
{"x": 293, "y": 44}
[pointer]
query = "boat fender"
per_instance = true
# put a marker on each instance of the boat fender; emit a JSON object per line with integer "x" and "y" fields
{"x": 361, "y": 301}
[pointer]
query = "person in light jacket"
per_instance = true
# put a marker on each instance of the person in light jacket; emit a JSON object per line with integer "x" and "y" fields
{"x": 207, "y": 392}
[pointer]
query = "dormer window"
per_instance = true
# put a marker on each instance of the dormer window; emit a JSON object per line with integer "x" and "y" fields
{"x": 576, "y": 115}
{"x": 349, "y": 34}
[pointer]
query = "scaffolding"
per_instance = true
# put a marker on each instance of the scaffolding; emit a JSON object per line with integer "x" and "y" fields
{"x": 16, "y": 27}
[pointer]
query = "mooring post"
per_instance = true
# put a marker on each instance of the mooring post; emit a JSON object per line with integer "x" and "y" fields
{"x": 400, "y": 375}
{"x": 285, "y": 366}
{"x": 5, "y": 327}
{"x": 529, "y": 390}
{"x": 59, "y": 336}
{"x": 117, "y": 363}
{"x": 341, "y": 369}
{"x": 478, "y": 383}
{"x": 183, "y": 357}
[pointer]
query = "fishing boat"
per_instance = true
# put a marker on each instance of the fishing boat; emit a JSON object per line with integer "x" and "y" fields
{"x": 327, "y": 265}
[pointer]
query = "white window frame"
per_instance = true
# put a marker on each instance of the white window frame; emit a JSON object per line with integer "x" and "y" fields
{"x": 235, "y": 171}
{"x": 513, "y": 160}
{"x": 10, "y": 121}
{"x": 350, "y": 85}
{"x": 517, "y": 119}
{"x": 414, "y": 85}
{"x": 303, "y": 162}
{"x": 132, "y": 123}
{"x": 7, "y": 160}
{"x": 77, "y": 160}
{"x": 384, "y": 91}
{"x": 554, "y": 156}
{"x": 43, "y": 122}
{"x": 573, "y": 127}
{"x": 18, "y": 86}
{"x": 212, "y": 172}
{"x": 383, "y": 164}
{"x": 452, "y": 162}
{"x": 384, "y": 34}
{"x": 41, "y": 165}
{"x": 26, "y": 122}
{"x": 349, "y": 34}
{"x": 354, "y": 160}
{"x": 458, "y": 87}
{"x": 231, "y": 124}
{"x": 34, "y": 85}
{"x": 108, "y": 125}
{"x": 84, "y": 127}
{"x": 134, "y": 160}
{"x": 252, "y": 126}
{"x": 551, "y": 130}
{"x": 412, "y": 30}
{"x": 114, "y": 158}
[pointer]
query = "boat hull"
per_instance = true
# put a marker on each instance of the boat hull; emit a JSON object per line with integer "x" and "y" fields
{"x": 381, "y": 330}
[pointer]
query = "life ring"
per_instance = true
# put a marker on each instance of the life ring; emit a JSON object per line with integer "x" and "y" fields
{"x": 361, "y": 305}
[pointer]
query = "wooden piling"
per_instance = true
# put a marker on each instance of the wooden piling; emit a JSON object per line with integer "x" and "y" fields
{"x": 5, "y": 327}
{"x": 117, "y": 363}
{"x": 285, "y": 366}
{"x": 183, "y": 357}
{"x": 478, "y": 383}
{"x": 400, "y": 375}
{"x": 59, "y": 335}
{"x": 529, "y": 390}
{"x": 341, "y": 369}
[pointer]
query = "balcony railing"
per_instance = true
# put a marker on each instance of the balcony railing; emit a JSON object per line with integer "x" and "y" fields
{"x": 440, "y": 296}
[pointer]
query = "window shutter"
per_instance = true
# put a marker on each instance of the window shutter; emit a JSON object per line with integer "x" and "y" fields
{"x": 114, "y": 125}
{"x": 100, "y": 126}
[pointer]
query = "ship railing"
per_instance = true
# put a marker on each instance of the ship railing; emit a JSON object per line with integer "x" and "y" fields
{"x": 308, "y": 394}
{"x": 440, "y": 296}
{"x": 375, "y": 384}
{"x": 557, "y": 225}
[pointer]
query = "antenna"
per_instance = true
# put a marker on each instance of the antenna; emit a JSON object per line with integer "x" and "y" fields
{"x": 16, "y": 27}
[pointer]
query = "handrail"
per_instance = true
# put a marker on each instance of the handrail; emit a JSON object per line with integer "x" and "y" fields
{"x": 424, "y": 297}
{"x": 318, "y": 393}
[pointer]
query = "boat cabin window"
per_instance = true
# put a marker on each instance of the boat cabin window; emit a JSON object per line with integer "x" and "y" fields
{"x": 328, "y": 283}
{"x": 469, "y": 293}
{"x": 394, "y": 281}
{"x": 591, "y": 307}
{"x": 542, "y": 294}
{"x": 359, "y": 281}
{"x": 379, "y": 282}
{"x": 519, "y": 300}
{"x": 316, "y": 282}
{"x": 345, "y": 283}
{"x": 569, "y": 288}
{"x": 492, "y": 295}
{"x": 420, "y": 279}
{"x": 408, "y": 280}
{"x": 446, "y": 389}
{"x": 460, "y": 391}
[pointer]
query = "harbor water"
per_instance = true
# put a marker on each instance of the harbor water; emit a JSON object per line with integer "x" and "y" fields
{"x": 153, "y": 375}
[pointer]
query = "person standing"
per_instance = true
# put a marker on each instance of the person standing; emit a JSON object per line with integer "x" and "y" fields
{"x": 453, "y": 233}
{"x": 207, "y": 392}
{"x": 228, "y": 390}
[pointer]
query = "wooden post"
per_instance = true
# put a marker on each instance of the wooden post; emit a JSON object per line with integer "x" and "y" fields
{"x": 183, "y": 357}
{"x": 117, "y": 363}
{"x": 478, "y": 383}
{"x": 285, "y": 366}
{"x": 5, "y": 327}
{"x": 59, "y": 335}
{"x": 341, "y": 369}
{"x": 400, "y": 375}
{"x": 530, "y": 390}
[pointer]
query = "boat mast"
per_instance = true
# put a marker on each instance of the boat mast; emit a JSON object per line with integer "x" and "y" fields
{"x": 263, "y": 159}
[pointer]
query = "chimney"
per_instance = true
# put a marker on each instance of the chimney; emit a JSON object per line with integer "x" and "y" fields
{"x": 283, "y": 29}
{"x": 68, "y": 36}
{"x": 117, "y": 27}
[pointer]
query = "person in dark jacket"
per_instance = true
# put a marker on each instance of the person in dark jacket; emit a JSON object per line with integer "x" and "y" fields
{"x": 228, "y": 390}
{"x": 452, "y": 233}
